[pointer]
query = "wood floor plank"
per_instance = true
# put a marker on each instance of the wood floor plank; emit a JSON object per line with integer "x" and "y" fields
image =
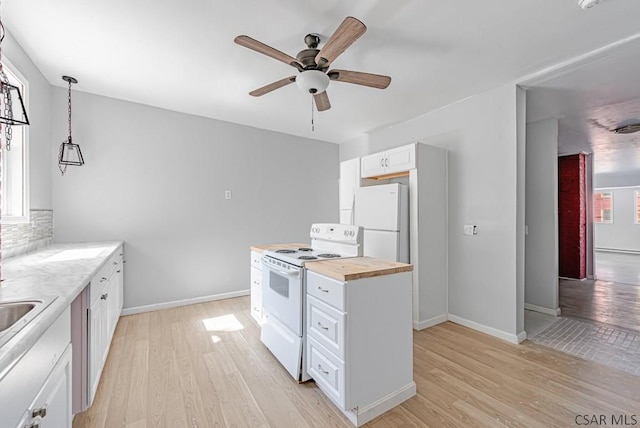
{"x": 168, "y": 369}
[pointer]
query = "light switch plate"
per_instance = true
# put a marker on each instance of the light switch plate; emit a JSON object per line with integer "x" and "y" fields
{"x": 470, "y": 229}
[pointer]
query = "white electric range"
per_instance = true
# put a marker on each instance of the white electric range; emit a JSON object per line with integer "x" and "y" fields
{"x": 284, "y": 290}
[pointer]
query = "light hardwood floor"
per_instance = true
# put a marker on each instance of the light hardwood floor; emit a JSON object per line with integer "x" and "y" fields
{"x": 170, "y": 369}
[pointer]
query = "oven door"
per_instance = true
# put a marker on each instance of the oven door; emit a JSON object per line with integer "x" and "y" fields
{"x": 282, "y": 293}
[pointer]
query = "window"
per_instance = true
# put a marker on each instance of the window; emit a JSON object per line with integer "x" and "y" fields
{"x": 15, "y": 189}
{"x": 603, "y": 207}
{"x": 637, "y": 204}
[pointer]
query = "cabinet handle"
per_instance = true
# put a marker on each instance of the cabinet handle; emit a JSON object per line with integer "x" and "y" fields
{"x": 381, "y": 161}
{"x": 42, "y": 412}
{"x": 118, "y": 271}
{"x": 104, "y": 296}
{"x": 322, "y": 370}
{"x": 322, "y": 289}
{"x": 322, "y": 327}
{"x": 115, "y": 263}
{"x": 103, "y": 279}
{"x": 386, "y": 162}
{"x": 33, "y": 425}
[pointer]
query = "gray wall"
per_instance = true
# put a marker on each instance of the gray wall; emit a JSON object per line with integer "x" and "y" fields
{"x": 541, "y": 267}
{"x": 623, "y": 233}
{"x": 156, "y": 179}
{"x": 481, "y": 136}
{"x": 39, "y": 96}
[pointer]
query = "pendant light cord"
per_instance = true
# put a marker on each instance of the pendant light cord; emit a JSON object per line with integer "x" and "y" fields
{"x": 63, "y": 167}
{"x": 69, "y": 106}
{"x": 6, "y": 95}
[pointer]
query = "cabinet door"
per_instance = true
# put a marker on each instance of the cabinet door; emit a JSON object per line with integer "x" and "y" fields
{"x": 400, "y": 159}
{"x": 256, "y": 294}
{"x": 52, "y": 406}
{"x": 372, "y": 165}
{"x": 96, "y": 346}
{"x": 349, "y": 182}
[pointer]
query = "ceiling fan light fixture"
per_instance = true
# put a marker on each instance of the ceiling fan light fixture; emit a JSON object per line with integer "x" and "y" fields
{"x": 627, "y": 129}
{"x": 312, "y": 81}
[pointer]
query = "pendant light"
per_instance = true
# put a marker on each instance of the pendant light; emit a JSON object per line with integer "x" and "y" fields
{"x": 12, "y": 110}
{"x": 70, "y": 153}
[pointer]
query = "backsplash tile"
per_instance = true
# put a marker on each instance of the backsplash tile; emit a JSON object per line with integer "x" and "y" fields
{"x": 21, "y": 238}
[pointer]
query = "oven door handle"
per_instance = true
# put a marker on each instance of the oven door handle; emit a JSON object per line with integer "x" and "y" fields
{"x": 281, "y": 272}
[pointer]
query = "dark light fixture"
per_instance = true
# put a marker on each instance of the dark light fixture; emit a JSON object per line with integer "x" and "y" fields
{"x": 627, "y": 129}
{"x": 12, "y": 110}
{"x": 70, "y": 153}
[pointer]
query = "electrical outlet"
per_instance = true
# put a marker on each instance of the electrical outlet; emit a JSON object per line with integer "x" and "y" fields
{"x": 470, "y": 229}
{"x": 227, "y": 194}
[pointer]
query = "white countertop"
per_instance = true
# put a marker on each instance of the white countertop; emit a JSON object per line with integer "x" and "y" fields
{"x": 59, "y": 270}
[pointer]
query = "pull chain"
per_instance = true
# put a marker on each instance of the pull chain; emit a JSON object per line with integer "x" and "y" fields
{"x": 313, "y": 128}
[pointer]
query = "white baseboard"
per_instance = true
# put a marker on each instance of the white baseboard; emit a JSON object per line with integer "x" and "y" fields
{"x": 185, "y": 302}
{"x": 542, "y": 309}
{"x": 513, "y": 338}
{"x": 521, "y": 336}
{"x": 386, "y": 403}
{"x": 616, "y": 250}
{"x": 421, "y": 325}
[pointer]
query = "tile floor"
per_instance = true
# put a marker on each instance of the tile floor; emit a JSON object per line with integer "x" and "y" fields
{"x": 598, "y": 342}
{"x": 536, "y": 322}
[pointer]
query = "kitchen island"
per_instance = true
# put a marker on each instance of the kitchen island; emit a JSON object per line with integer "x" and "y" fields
{"x": 359, "y": 334}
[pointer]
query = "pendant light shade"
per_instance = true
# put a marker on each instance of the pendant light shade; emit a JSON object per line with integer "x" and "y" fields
{"x": 70, "y": 153}
{"x": 12, "y": 111}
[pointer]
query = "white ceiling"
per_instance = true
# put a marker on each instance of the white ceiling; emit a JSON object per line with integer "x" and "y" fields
{"x": 590, "y": 98}
{"x": 180, "y": 55}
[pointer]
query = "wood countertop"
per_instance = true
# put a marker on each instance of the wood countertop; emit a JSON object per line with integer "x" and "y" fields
{"x": 351, "y": 269}
{"x": 273, "y": 247}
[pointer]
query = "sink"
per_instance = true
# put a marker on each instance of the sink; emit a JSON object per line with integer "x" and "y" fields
{"x": 11, "y": 313}
{"x": 16, "y": 314}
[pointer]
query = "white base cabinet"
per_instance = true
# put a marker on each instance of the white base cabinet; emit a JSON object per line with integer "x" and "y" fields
{"x": 360, "y": 342}
{"x": 105, "y": 305}
{"x": 256, "y": 286}
{"x": 36, "y": 392}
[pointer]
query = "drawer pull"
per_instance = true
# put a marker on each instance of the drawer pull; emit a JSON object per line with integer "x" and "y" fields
{"x": 118, "y": 271}
{"x": 323, "y": 290}
{"x": 33, "y": 425}
{"x": 103, "y": 279}
{"x": 322, "y": 327}
{"x": 104, "y": 296}
{"x": 42, "y": 412}
{"x": 322, "y": 370}
{"x": 115, "y": 263}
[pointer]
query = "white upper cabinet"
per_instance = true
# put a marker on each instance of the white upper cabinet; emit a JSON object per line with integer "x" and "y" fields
{"x": 388, "y": 162}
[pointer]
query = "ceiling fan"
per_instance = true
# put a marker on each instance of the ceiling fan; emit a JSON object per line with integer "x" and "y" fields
{"x": 313, "y": 63}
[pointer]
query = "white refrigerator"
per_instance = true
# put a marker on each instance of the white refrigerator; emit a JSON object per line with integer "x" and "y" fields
{"x": 383, "y": 213}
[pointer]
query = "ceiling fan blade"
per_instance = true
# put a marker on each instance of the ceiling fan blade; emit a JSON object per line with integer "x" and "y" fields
{"x": 273, "y": 86}
{"x": 322, "y": 101}
{"x": 365, "y": 79}
{"x": 347, "y": 33}
{"x": 267, "y": 50}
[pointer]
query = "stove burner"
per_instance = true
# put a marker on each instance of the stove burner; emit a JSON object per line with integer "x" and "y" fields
{"x": 305, "y": 249}
{"x": 307, "y": 258}
{"x": 329, "y": 255}
{"x": 285, "y": 251}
